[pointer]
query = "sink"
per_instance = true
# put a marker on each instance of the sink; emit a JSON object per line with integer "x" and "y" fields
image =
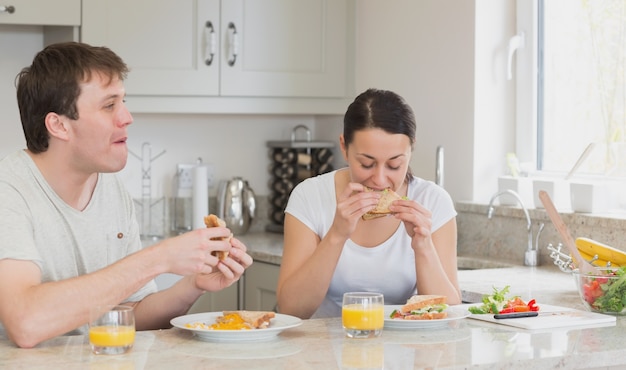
{"x": 471, "y": 297}
{"x": 472, "y": 263}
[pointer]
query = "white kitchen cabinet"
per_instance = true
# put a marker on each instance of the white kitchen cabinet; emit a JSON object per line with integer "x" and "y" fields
{"x": 257, "y": 289}
{"x": 292, "y": 48}
{"x": 267, "y": 50}
{"x": 163, "y": 42}
{"x": 224, "y": 300}
{"x": 40, "y": 12}
{"x": 260, "y": 282}
{"x": 60, "y": 19}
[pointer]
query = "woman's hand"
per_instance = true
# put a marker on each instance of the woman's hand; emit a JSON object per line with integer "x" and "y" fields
{"x": 353, "y": 203}
{"x": 417, "y": 221}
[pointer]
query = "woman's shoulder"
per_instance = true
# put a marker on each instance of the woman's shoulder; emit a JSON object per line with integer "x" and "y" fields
{"x": 321, "y": 181}
{"x": 421, "y": 189}
{"x": 418, "y": 183}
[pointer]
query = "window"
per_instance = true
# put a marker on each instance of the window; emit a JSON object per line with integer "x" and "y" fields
{"x": 572, "y": 86}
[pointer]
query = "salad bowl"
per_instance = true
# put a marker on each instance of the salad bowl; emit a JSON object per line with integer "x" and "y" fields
{"x": 603, "y": 291}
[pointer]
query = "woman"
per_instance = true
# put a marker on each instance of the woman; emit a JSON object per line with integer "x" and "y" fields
{"x": 329, "y": 249}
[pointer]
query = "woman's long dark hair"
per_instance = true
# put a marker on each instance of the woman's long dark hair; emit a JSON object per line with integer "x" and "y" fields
{"x": 381, "y": 109}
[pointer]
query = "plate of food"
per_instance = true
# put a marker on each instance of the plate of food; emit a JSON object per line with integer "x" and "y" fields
{"x": 422, "y": 312}
{"x": 236, "y": 326}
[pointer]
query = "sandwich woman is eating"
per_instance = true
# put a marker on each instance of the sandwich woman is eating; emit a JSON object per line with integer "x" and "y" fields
{"x": 330, "y": 248}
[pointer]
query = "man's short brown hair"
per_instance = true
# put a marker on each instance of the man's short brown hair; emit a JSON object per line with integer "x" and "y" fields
{"x": 52, "y": 84}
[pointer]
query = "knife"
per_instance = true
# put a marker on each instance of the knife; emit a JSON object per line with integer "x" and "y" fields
{"x": 515, "y": 315}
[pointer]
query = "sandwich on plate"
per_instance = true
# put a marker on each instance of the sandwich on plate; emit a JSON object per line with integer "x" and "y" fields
{"x": 387, "y": 196}
{"x": 422, "y": 307}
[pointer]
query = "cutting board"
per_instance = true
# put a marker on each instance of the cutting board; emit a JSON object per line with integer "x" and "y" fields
{"x": 552, "y": 317}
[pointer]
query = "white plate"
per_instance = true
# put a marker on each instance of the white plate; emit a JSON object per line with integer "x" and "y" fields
{"x": 454, "y": 314}
{"x": 277, "y": 325}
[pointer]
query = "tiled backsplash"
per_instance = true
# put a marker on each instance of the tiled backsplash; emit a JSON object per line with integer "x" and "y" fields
{"x": 504, "y": 237}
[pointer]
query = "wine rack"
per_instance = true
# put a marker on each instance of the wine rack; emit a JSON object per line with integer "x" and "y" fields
{"x": 292, "y": 161}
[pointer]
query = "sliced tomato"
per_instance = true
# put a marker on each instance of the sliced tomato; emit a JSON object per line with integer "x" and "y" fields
{"x": 592, "y": 290}
{"x": 532, "y": 305}
{"x": 602, "y": 279}
{"x": 509, "y": 309}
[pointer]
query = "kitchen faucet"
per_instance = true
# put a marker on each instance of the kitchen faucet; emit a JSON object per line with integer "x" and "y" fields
{"x": 439, "y": 166}
{"x": 531, "y": 255}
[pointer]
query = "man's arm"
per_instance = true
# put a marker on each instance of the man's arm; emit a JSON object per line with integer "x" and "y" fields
{"x": 32, "y": 311}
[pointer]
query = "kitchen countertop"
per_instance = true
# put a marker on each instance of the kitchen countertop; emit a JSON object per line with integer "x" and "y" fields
{"x": 264, "y": 246}
{"x": 320, "y": 343}
{"x": 546, "y": 282}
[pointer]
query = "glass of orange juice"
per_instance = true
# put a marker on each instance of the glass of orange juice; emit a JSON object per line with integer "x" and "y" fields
{"x": 112, "y": 330}
{"x": 363, "y": 314}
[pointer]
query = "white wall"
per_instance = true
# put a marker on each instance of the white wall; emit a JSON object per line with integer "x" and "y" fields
{"x": 426, "y": 48}
{"x": 235, "y": 144}
{"x": 18, "y": 45}
{"x": 445, "y": 58}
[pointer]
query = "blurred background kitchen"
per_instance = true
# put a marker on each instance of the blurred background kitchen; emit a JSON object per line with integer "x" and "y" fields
{"x": 423, "y": 50}
{"x": 448, "y": 58}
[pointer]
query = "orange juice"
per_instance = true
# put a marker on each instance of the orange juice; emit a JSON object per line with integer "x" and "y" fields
{"x": 112, "y": 336}
{"x": 359, "y": 317}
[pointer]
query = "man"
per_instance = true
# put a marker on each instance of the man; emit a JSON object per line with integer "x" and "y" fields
{"x": 70, "y": 239}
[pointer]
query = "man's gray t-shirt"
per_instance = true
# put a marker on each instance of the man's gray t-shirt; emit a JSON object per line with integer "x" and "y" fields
{"x": 39, "y": 226}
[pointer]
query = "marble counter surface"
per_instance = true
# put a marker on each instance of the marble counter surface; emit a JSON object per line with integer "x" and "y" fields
{"x": 320, "y": 344}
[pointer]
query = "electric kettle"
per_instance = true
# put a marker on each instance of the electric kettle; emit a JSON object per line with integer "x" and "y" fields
{"x": 236, "y": 204}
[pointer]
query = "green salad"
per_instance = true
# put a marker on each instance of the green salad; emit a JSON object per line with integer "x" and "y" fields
{"x": 500, "y": 303}
{"x": 605, "y": 293}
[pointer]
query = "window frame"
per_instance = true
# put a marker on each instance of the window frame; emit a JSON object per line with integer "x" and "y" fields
{"x": 526, "y": 82}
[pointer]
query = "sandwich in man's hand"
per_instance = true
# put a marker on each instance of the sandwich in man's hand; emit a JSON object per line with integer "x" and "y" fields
{"x": 387, "y": 196}
{"x": 422, "y": 307}
{"x": 214, "y": 221}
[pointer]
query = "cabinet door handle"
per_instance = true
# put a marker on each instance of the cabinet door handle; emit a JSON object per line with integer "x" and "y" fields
{"x": 210, "y": 42}
{"x": 7, "y": 9}
{"x": 234, "y": 44}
